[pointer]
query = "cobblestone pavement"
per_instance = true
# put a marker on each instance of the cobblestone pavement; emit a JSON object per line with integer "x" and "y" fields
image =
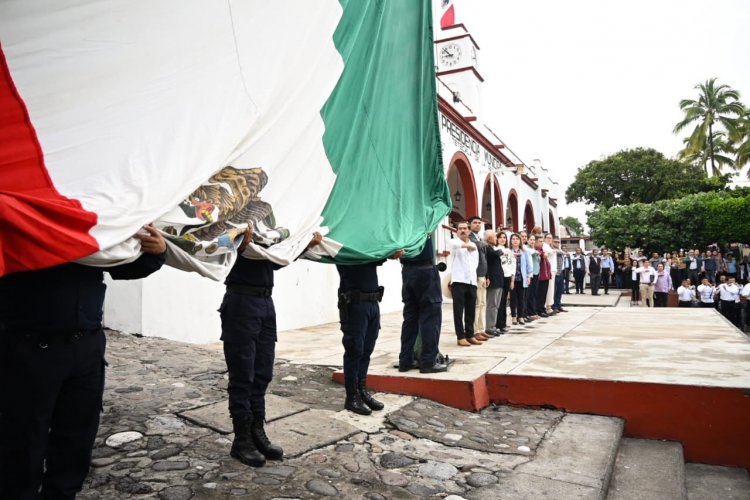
{"x": 164, "y": 434}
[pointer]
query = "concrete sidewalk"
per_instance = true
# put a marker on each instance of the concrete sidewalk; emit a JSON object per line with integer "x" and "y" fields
{"x": 165, "y": 429}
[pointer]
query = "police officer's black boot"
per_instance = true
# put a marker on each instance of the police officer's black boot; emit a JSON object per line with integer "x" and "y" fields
{"x": 367, "y": 399}
{"x": 354, "y": 401}
{"x": 243, "y": 446}
{"x": 261, "y": 441}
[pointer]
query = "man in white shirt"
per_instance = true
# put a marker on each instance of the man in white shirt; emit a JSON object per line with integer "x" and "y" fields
{"x": 686, "y": 293}
{"x": 729, "y": 295}
{"x": 464, "y": 261}
{"x": 647, "y": 278}
{"x": 706, "y": 293}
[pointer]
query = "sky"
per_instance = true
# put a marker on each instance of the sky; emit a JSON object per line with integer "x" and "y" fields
{"x": 571, "y": 82}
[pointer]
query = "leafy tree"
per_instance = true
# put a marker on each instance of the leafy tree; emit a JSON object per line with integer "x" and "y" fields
{"x": 692, "y": 221}
{"x": 638, "y": 176}
{"x": 717, "y": 105}
{"x": 573, "y": 224}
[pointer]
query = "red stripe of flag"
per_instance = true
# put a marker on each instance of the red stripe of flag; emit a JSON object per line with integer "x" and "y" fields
{"x": 38, "y": 226}
{"x": 449, "y": 18}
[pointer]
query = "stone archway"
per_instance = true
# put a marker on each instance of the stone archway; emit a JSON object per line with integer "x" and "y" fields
{"x": 511, "y": 211}
{"x": 528, "y": 217}
{"x": 487, "y": 202}
{"x": 462, "y": 186}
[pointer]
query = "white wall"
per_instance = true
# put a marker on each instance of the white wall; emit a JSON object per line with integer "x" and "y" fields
{"x": 183, "y": 306}
{"x": 122, "y": 307}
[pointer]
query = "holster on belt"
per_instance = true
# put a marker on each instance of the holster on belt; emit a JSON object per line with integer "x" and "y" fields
{"x": 345, "y": 298}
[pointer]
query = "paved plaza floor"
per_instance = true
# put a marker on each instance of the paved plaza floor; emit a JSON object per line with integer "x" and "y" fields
{"x": 165, "y": 430}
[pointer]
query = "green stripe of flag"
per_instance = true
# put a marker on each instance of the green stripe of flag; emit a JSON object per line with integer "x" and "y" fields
{"x": 382, "y": 136}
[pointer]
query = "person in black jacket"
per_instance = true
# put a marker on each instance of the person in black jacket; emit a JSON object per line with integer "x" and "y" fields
{"x": 359, "y": 295}
{"x": 52, "y": 371}
{"x": 248, "y": 333}
{"x": 423, "y": 310}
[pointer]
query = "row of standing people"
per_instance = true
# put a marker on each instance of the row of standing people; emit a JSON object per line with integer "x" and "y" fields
{"x": 493, "y": 269}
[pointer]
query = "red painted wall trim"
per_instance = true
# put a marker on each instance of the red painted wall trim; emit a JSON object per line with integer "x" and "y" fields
{"x": 513, "y": 195}
{"x": 458, "y": 37}
{"x": 461, "y": 70}
{"x": 710, "y": 422}
{"x": 466, "y": 173}
{"x": 530, "y": 182}
{"x": 499, "y": 208}
{"x": 455, "y": 26}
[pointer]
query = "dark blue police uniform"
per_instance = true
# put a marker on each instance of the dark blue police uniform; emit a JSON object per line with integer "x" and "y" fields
{"x": 248, "y": 330}
{"x": 52, "y": 374}
{"x": 422, "y": 297}
{"x": 360, "y": 317}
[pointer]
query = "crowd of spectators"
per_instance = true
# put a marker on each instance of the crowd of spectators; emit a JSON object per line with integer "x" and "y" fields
{"x": 699, "y": 278}
{"x": 528, "y": 274}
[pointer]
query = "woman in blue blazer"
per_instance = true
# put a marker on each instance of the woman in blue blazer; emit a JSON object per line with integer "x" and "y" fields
{"x": 520, "y": 279}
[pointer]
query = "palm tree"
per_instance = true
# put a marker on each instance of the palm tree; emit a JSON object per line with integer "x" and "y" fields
{"x": 719, "y": 148}
{"x": 716, "y": 105}
{"x": 741, "y": 139}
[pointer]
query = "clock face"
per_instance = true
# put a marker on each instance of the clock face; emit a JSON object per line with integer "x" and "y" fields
{"x": 450, "y": 54}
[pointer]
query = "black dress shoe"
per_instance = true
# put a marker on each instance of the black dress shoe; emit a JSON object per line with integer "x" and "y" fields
{"x": 403, "y": 368}
{"x": 436, "y": 368}
{"x": 544, "y": 315}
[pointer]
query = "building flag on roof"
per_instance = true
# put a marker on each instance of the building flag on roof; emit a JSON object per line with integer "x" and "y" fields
{"x": 447, "y": 14}
{"x": 203, "y": 116}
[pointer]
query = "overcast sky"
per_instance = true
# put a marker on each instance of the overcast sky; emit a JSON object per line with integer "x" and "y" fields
{"x": 570, "y": 82}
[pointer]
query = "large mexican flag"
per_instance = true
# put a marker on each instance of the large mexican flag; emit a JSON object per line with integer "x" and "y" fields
{"x": 204, "y": 116}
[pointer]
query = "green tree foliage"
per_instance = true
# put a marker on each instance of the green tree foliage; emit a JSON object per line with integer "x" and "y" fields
{"x": 717, "y": 106}
{"x": 638, "y": 176}
{"x": 741, "y": 140}
{"x": 692, "y": 221}
{"x": 573, "y": 224}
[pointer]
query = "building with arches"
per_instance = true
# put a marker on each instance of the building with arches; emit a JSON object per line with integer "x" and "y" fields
{"x": 484, "y": 176}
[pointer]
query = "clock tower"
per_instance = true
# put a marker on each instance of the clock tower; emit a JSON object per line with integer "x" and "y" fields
{"x": 456, "y": 57}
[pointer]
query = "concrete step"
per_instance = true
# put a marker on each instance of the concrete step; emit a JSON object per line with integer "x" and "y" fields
{"x": 711, "y": 482}
{"x": 647, "y": 469}
{"x": 574, "y": 461}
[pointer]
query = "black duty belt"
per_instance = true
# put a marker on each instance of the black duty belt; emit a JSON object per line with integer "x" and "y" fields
{"x": 253, "y": 291}
{"x": 353, "y": 296}
{"x": 418, "y": 266}
{"x": 369, "y": 297}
